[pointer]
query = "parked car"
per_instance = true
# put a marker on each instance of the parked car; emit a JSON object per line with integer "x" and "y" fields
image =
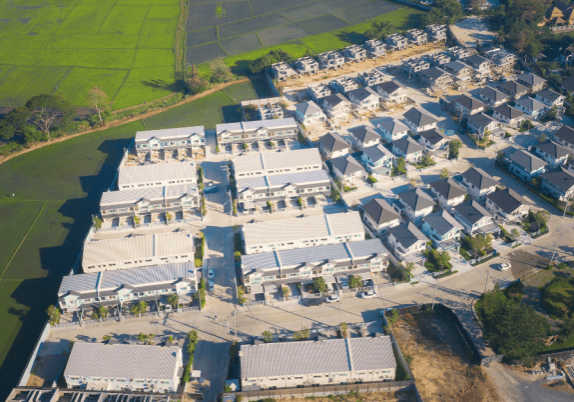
{"x": 344, "y": 285}
{"x": 210, "y": 273}
{"x": 504, "y": 266}
{"x": 332, "y": 299}
{"x": 367, "y": 282}
{"x": 368, "y": 295}
{"x": 312, "y": 302}
{"x": 210, "y": 285}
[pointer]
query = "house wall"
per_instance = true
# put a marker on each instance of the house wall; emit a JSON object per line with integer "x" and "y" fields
{"x": 494, "y": 209}
{"x": 302, "y": 242}
{"x": 380, "y": 230}
{"x": 417, "y": 216}
{"x": 155, "y": 260}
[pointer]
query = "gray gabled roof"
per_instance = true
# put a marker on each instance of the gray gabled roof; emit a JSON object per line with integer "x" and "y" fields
{"x": 434, "y": 136}
{"x": 553, "y": 149}
{"x": 334, "y": 100}
{"x": 563, "y": 179}
{"x": 456, "y": 66}
{"x": 493, "y": 94}
{"x": 407, "y": 145}
{"x": 347, "y": 165}
{"x": 529, "y": 162}
{"x": 433, "y": 73}
{"x": 364, "y": 133}
{"x": 448, "y": 188}
{"x": 333, "y": 142}
{"x": 377, "y": 152}
{"x": 469, "y": 103}
{"x": 549, "y": 95}
{"x": 513, "y": 87}
{"x": 442, "y": 222}
{"x": 471, "y": 211}
{"x": 480, "y": 119}
{"x": 531, "y": 79}
{"x": 362, "y": 93}
{"x": 388, "y": 86}
{"x": 419, "y": 117}
{"x": 407, "y": 234}
{"x": 479, "y": 178}
{"x": 474, "y": 60}
{"x": 393, "y": 126}
{"x": 417, "y": 199}
{"x": 380, "y": 211}
{"x": 508, "y": 111}
{"x": 568, "y": 83}
{"x": 565, "y": 133}
{"x": 530, "y": 103}
{"x": 309, "y": 107}
{"x": 508, "y": 200}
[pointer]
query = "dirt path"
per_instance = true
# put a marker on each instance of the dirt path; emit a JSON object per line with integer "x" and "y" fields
{"x": 121, "y": 122}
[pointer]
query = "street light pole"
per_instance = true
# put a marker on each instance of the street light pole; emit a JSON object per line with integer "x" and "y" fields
{"x": 553, "y": 252}
{"x": 486, "y": 283}
{"x": 433, "y": 298}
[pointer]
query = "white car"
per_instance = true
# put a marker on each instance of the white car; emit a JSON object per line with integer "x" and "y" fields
{"x": 332, "y": 299}
{"x": 504, "y": 266}
{"x": 210, "y": 285}
{"x": 210, "y": 273}
{"x": 368, "y": 295}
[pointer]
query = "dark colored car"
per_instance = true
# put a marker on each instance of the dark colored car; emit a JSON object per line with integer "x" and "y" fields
{"x": 312, "y": 302}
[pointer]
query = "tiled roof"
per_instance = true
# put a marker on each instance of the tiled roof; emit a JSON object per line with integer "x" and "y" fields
{"x": 553, "y": 149}
{"x": 309, "y": 357}
{"x": 306, "y": 108}
{"x": 530, "y": 103}
{"x": 479, "y": 178}
{"x": 407, "y": 145}
{"x": 407, "y": 234}
{"x": 568, "y": 83}
{"x": 347, "y": 165}
{"x": 333, "y": 142}
{"x": 388, "y": 86}
{"x": 507, "y": 199}
{"x": 531, "y": 79}
{"x": 434, "y": 136}
{"x": 528, "y": 161}
{"x": 334, "y": 100}
{"x": 380, "y": 211}
{"x": 513, "y": 87}
{"x": 417, "y": 199}
{"x": 509, "y": 112}
{"x": 493, "y": 94}
{"x": 433, "y": 73}
{"x": 419, "y": 117}
{"x": 364, "y": 133}
{"x": 474, "y": 60}
{"x": 123, "y": 361}
{"x": 442, "y": 222}
{"x": 456, "y": 66}
{"x": 480, "y": 119}
{"x": 472, "y": 211}
{"x": 156, "y": 172}
{"x": 549, "y": 95}
{"x": 277, "y": 160}
{"x": 565, "y": 133}
{"x": 448, "y": 188}
{"x": 469, "y": 103}
{"x": 362, "y": 93}
{"x": 170, "y": 133}
{"x": 148, "y": 193}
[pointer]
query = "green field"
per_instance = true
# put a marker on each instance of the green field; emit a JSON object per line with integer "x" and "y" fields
{"x": 57, "y": 188}
{"x": 66, "y": 47}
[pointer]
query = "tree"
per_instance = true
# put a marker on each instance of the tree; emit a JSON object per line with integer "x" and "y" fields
{"x": 53, "y": 314}
{"x": 142, "y": 337}
{"x": 480, "y": 242}
{"x": 380, "y": 30}
{"x": 319, "y": 285}
{"x": 427, "y": 160}
{"x": 139, "y": 308}
{"x": 454, "y": 148}
{"x": 515, "y": 233}
{"x": 257, "y": 66}
{"x": 542, "y": 138}
{"x": 566, "y": 329}
{"x": 103, "y": 312}
{"x": 355, "y": 281}
{"x": 173, "y": 299}
{"x": 541, "y": 217}
{"x": 196, "y": 83}
{"x": 98, "y": 100}
{"x": 220, "y": 72}
{"x": 43, "y": 110}
{"x": 106, "y": 337}
{"x": 13, "y": 124}
{"x": 267, "y": 336}
{"x": 241, "y": 294}
{"x": 444, "y": 173}
{"x": 442, "y": 258}
{"x": 300, "y": 335}
{"x": 400, "y": 166}
{"x": 443, "y": 12}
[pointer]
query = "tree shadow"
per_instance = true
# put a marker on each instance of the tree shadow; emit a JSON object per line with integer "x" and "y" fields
{"x": 231, "y": 113}
{"x": 176, "y": 86}
{"x": 352, "y": 37}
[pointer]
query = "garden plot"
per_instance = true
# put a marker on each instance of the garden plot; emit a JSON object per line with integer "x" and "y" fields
{"x": 204, "y": 53}
{"x": 240, "y": 44}
{"x": 252, "y": 24}
{"x": 322, "y": 24}
{"x": 268, "y": 6}
{"x": 361, "y": 12}
{"x": 202, "y": 37}
{"x": 318, "y": 8}
{"x": 285, "y": 33}
{"x": 208, "y": 15}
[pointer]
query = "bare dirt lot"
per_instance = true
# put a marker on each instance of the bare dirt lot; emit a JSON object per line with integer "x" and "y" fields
{"x": 441, "y": 363}
{"x": 400, "y": 396}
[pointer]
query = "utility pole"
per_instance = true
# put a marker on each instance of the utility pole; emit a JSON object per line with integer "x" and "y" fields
{"x": 433, "y": 298}
{"x": 486, "y": 283}
{"x": 341, "y": 310}
{"x": 565, "y": 209}
{"x": 553, "y": 252}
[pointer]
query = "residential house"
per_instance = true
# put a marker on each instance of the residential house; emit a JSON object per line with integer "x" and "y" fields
{"x": 267, "y": 272}
{"x": 397, "y": 41}
{"x": 268, "y": 111}
{"x": 553, "y": 153}
{"x": 480, "y": 65}
{"x": 251, "y": 132}
{"x": 509, "y": 115}
{"x": 419, "y": 120}
{"x": 407, "y": 242}
{"x": 130, "y": 285}
{"x": 408, "y": 149}
{"x": 417, "y": 203}
{"x": 391, "y": 92}
{"x": 378, "y": 159}
{"x": 266, "y": 108}
{"x": 462, "y": 73}
{"x": 150, "y": 204}
{"x": 559, "y": 184}
{"x": 348, "y": 169}
{"x": 332, "y": 145}
{"x": 282, "y": 190}
{"x": 550, "y": 98}
{"x": 443, "y": 230}
{"x": 364, "y": 99}
{"x": 337, "y": 107}
{"x": 365, "y": 136}
{"x": 286, "y": 234}
{"x": 436, "y": 79}
{"x": 448, "y": 192}
{"x": 344, "y": 84}
{"x": 525, "y": 165}
{"x": 318, "y": 92}
{"x": 567, "y": 84}
{"x": 436, "y": 32}
{"x": 156, "y": 175}
{"x": 371, "y": 78}
{"x": 466, "y": 105}
{"x": 331, "y": 59}
{"x": 434, "y": 139}
{"x": 375, "y": 48}
{"x": 380, "y": 216}
{"x": 475, "y": 219}
{"x": 307, "y": 65}
{"x": 350, "y": 360}
{"x": 480, "y": 123}
{"x": 355, "y": 53}
{"x": 513, "y": 89}
{"x": 530, "y": 106}
{"x": 282, "y": 71}
{"x": 507, "y": 205}
{"x": 501, "y": 60}
{"x": 533, "y": 82}
{"x": 440, "y": 59}
{"x": 412, "y": 67}
{"x": 137, "y": 251}
{"x": 478, "y": 183}
{"x": 122, "y": 367}
{"x": 417, "y": 37}
{"x": 564, "y": 136}
{"x": 185, "y": 141}
{"x": 493, "y": 97}
{"x": 274, "y": 163}
{"x": 392, "y": 129}
{"x": 457, "y": 52}
{"x": 308, "y": 113}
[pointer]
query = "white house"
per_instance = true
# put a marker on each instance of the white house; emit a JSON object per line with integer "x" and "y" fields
{"x": 507, "y": 205}
{"x": 347, "y": 169}
{"x": 419, "y": 120}
{"x": 308, "y": 113}
{"x": 559, "y": 184}
{"x": 564, "y": 136}
{"x": 554, "y": 154}
{"x": 391, "y": 92}
{"x": 392, "y": 129}
{"x": 475, "y": 219}
{"x": 185, "y": 141}
{"x": 480, "y": 123}
{"x": 530, "y": 106}
{"x": 443, "y": 230}
{"x": 332, "y": 145}
{"x": 274, "y": 163}
{"x": 365, "y": 136}
{"x": 364, "y": 99}
{"x": 448, "y": 192}
{"x": 378, "y": 159}
{"x": 380, "y": 216}
{"x": 417, "y": 204}
{"x": 434, "y": 139}
{"x": 509, "y": 115}
{"x": 478, "y": 183}
{"x": 550, "y": 98}
{"x": 408, "y": 149}
{"x": 407, "y": 242}
{"x": 156, "y": 175}
{"x": 493, "y": 97}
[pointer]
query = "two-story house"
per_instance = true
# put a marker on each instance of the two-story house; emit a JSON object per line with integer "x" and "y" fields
{"x": 478, "y": 183}
{"x": 273, "y": 163}
{"x": 355, "y": 53}
{"x": 463, "y": 73}
{"x": 247, "y": 133}
{"x": 440, "y": 59}
{"x": 412, "y": 67}
{"x": 565, "y": 137}
{"x": 156, "y": 175}
{"x": 332, "y": 145}
{"x": 379, "y": 216}
{"x": 550, "y": 98}
{"x": 331, "y": 60}
{"x": 507, "y": 205}
{"x": 567, "y": 84}
{"x": 419, "y": 120}
{"x": 509, "y": 115}
{"x": 391, "y": 92}
{"x": 436, "y": 79}
{"x": 318, "y": 92}
{"x": 448, "y": 192}
{"x": 436, "y": 32}
{"x": 378, "y": 159}
{"x": 525, "y": 165}
{"x": 553, "y": 153}
{"x": 417, "y": 203}
{"x": 457, "y": 52}
{"x": 475, "y": 219}
{"x": 493, "y": 97}
{"x": 344, "y": 84}
{"x": 375, "y": 48}
{"x": 397, "y": 41}
{"x": 434, "y": 139}
{"x": 443, "y": 230}
{"x": 185, "y": 141}
{"x": 307, "y": 65}
{"x": 371, "y": 78}
{"x": 308, "y": 113}
{"x": 480, "y": 65}
{"x": 282, "y": 71}
{"x": 407, "y": 242}
{"x": 480, "y": 123}
{"x": 530, "y": 106}
{"x": 364, "y": 136}
{"x": 466, "y": 105}
{"x": 364, "y": 99}
{"x": 502, "y": 61}
{"x": 337, "y": 107}
{"x": 513, "y": 89}
{"x": 559, "y": 184}
{"x": 417, "y": 37}
{"x": 408, "y": 149}
{"x": 533, "y": 82}
{"x": 392, "y": 129}
{"x": 347, "y": 169}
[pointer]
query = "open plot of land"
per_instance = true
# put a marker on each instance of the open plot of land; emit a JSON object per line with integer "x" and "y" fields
{"x": 42, "y": 47}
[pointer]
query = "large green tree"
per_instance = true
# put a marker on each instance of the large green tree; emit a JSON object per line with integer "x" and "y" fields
{"x": 443, "y": 12}
{"x": 380, "y": 30}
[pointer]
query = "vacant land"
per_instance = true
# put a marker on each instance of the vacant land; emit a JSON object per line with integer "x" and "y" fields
{"x": 68, "y": 46}
{"x": 440, "y": 360}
